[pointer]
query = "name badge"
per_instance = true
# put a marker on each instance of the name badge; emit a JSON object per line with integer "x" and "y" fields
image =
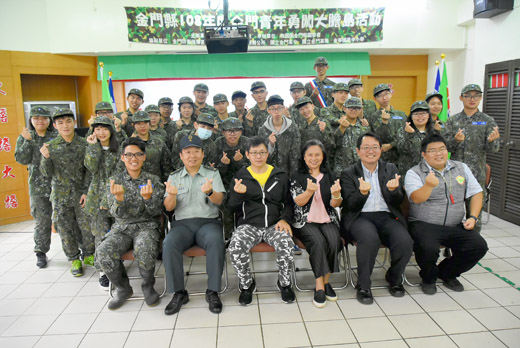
{"x": 141, "y": 186}
{"x": 328, "y": 86}
{"x": 397, "y": 117}
{"x": 182, "y": 189}
{"x": 479, "y": 123}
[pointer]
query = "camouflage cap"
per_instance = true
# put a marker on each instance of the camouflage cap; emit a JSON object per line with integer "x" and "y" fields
{"x": 419, "y": 105}
{"x": 219, "y": 98}
{"x": 152, "y": 108}
{"x": 104, "y": 106}
{"x": 201, "y": 87}
{"x": 136, "y": 91}
{"x": 341, "y": 86}
{"x": 321, "y": 60}
{"x": 433, "y": 94}
{"x": 208, "y": 119}
{"x": 141, "y": 116}
{"x": 354, "y": 82}
{"x": 165, "y": 100}
{"x": 353, "y": 102}
{"x": 190, "y": 141}
{"x": 238, "y": 94}
{"x": 231, "y": 123}
{"x": 39, "y": 110}
{"x": 471, "y": 87}
{"x": 302, "y": 101}
{"x": 104, "y": 121}
{"x": 296, "y": 85}
{"x": 256, "y": 85}
{"x": 62, "y": 112}
{"x": 185, "y": 100}
{"x": 381, "y": 87}
{"x": 275, "y": 99}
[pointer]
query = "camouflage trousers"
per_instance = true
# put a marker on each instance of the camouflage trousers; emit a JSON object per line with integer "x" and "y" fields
{"x": 71, "y": 223}
{"x": 143, "y": 238}
{"x": 246, "y": 237}
{"x": 100, "y": 224}
{"x": 41, "y": 210}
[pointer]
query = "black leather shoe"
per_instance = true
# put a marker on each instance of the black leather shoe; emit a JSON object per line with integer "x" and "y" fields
{"x": 246, "y": 295}
{"x": 330, "y": 294}
{"x": 41, "y": 259}
{"x": 215, "y": 305}
{"x": 319, "y": 300}
{"x": 288, "y": 295}
{"x": 396, "y": 290}
{"x": 364, "y": 296}
{"x": 429, "y": 288}
{"x": 179, "y": 298}
{"x": 453, "y": 284}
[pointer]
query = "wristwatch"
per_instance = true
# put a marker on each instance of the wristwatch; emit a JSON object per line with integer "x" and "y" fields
{"x": 209, "y": 193}
{"x": 474, "y": 217}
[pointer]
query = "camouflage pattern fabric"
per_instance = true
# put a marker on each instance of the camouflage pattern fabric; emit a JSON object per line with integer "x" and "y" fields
{"x": 210, "y": 151}
{"x": 312, "y": 131}
{"x": 208, "y": 109}
{"x": 128, "y": 126}
{"x": 227, "y": 171}
{"x": 388, "y": 132}
{"x": 346, "y": 144}
{"x": 159, "y": 133}
{"x": 369, "y": 107}
{"x": 325, "y": 88}
{"x": 409, "y": 148}
{"x": 41, "y": 210}
{"x": 259, "y": 118}
{"x": 332, "y": 114}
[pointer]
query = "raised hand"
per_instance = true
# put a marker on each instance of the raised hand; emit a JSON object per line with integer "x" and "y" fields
{"x": 437, "y": 126}
{"x": 322, "y": 125}
{"x": 494, "y": 135}
{"x": 386, "y": 147}
{"x": 44, "y": 150}
{"x": 459, "y": 137}
{"x": 92, "y": 139}
{"x": 207, "y": 187}
{"x": 343, "y": 122}
{"x": 364, "y": 186}
{"x": 239, "y": 187}
{"x": 171, "y": 189}
{"x": 225, "y": 159}
{"x": 311, "y": 186}
{"x": 364, "y": 122}
{"x": 124, "y": 118}
{"x": 117, "y": 124}
{"x": 394, "y": 183}
{"x": 335, "y": 190}
{"x": 117, "y": 190}
{"x": 147, "y": 190}
{"x": 238, "y": 156}
{"x": 408, "y": 128}
{"x": 179, "y": 124}
{"x": 272, "y": 139}
{"x": 91, "y": 119}
{"x": 385, "y": 116}
{"x": 249, "y": 116}
{"x": 431, "y": 180}
{"x": 26, "y": 134}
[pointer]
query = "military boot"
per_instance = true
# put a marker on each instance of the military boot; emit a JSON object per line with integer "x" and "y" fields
{"x": 151, "y": 297}
{"x": 123, "y": 289}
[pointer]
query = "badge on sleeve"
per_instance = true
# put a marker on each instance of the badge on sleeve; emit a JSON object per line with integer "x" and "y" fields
{"x": 460, "y": 179}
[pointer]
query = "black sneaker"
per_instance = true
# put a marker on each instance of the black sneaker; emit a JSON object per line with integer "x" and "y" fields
{"x": 179, "y": 298}
{"x": 41, "y": 259}
{"x": 215, "y": 305}
{"x": 319, "y": 299}
{"x": 453, "y": 284}
{"x": 104, "y": 282}
{"x": 429, "y": 288}
{"x": 364, "y": 296}
{"x": 246, "y": 295}
{"x": 287, "y": 293}
{"x": 330, "y": 294}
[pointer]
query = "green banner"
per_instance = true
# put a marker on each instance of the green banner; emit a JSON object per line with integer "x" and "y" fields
{"x": 277, "y": 27}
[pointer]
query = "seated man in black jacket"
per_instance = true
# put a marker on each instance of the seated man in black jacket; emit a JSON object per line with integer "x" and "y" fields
{"x": 371, "y": 216}
{"x": 259, "y": 194}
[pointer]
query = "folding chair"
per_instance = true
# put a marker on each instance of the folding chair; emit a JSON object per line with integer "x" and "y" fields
{"x": 352, "y": 270}
{"x": 487, "y": 203}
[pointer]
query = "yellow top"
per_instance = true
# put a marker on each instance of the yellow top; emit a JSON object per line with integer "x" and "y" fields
{"x": 261, "y": 178}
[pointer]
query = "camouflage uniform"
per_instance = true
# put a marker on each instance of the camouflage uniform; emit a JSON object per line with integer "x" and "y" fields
{"x": 346, "y": 144}
{"x": 236, "y": 115}
{"x": 159, "y": 133}
{"x": 409, "y": 147}
{"x": 388, "y": 132}
{"x": 70, "y": 180}
{"x": 332, "y": 114}
{"x": 259, "y": 117}
{"x": 228, "y": 170}
{"x": 128, "y": 126}
{"x": 208, "y": 109}
{"x": 312, "y": 131}
{"x": 325, "y": 87}
{"x": 158, "y": 158}
{"x": 136, "y": 223}
{"x": 210, "y": 151}
{"x": 28, "y": 153}
{"x": 101, "y": 106}
{"x": 369, "y": 107}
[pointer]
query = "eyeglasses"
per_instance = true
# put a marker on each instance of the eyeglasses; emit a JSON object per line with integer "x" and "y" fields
{"x": 137, "y": 155}
{"x": 166, "y": 106}
{"x": 104, "y": 113}
{"x": 439, "y": 150}
{"x": 374, "y": 148}
{"x": 420, "y": 114}
{"x": 258, "y": 154}
{"x": 259, "y": 91}
{"x": 232, "y": 131}
{"x": 278, "y": 109}
{"x": 472, "y": 96}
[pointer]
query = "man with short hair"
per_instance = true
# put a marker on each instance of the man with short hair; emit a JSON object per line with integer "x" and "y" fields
{"x": 372, "y": 216}
{"x": 321, "y": 87}
{"x": 135, "y": 99}
{"x": 259, "y": 194}
{"x": 257, "y": 115}
{"x": 355, "y": 89}
{"x": 220, "y": 102}
{"x": 201, "y": 91}
{"x": 194, "y": 192}
{"x": 334, "y": 112}
{"x": 166, "y": 108}
{"x": 437, "y": 189}
{"x": 238, "y": 99}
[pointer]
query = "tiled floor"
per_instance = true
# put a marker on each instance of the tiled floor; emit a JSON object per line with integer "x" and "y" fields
{"x": 50, "y": 308}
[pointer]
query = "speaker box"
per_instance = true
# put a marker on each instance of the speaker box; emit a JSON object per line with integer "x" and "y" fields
{"x": 491, "y": 8}
{"x": 227, "y": 39}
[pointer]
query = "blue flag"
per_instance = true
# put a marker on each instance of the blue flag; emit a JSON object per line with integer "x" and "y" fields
{"x": 437, "y": 79}
{"x": 111, "y": 91}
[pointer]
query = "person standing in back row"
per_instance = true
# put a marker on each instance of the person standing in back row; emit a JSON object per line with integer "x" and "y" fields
{"x": 320, "y": 89}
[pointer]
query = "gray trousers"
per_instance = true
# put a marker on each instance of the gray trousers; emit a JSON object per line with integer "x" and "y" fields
{"x": 246, "y": 237}
{"x": 206, "y": 233}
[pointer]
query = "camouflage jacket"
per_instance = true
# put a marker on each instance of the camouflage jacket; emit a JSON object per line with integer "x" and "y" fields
{"x": 134, "y": 209}
{"x": 208, "y": 145}
{"x": 332, "y": 114}
{"x": 102, "y": 164}
{"x": 70, "y": 178}
{"x": 286, "y": 151}
{"x": 369, "y": 107}
{"x": 120, "y": 136}
{"x": 128, "y": 126}
{"x": 259, "y": 117}
{"x": 298, "y": 118}
{"x": 227, "y": 171}
{"x": 160, "y": 133}
{"x": 170, "y": 128}
{"x": 473, "y": 149}
{"x": 346, "y": 144}
{"x": 27, "y": 152}
{"x": 240, "y": 117}
{"x": 312, "y": 131}
{"x": 409, "y": 148}
{"x": 325, "y": 87}
{"x": 208, "y": 109}
{"x": 388, "y": 132}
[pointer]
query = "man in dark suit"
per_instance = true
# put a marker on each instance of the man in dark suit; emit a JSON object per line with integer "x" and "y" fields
{"x": 372, "y": 216}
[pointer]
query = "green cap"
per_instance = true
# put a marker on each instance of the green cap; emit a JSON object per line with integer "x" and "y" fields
{"x": 152, "y": 108}
{"x": 341, "y": 86}
{"x": 257, "y": 84}
{"x": 380, "y": 88}
{"x": 104, "y": 121}
{"x": 141, "y": 116}
{"x": 353, "y": 102}
{"x": 185, "y": 100}
{"x": 208, "y": 119}
{"x": 104, "y": 106}
{"x": 302, "y": 101}
{"x": 238, "y": 94}
{"x": 39, "y": 110}
{"x": 296, "y": 85}
{"x": 275, "y": 99}
{"x": 231, "y": 123}
{"x": 201, "y": 87}
{"x": 420, "y": 105}
{"x": 354, "y": 82}
{"x": 217, "y": 98}
{"x": 321, "y": 60}
{"x": 136, "y": 92}
{"x": 62, "y": 112}
{"x": 433, "y": 94}
{"x": 471, "y": 87}
{"x": 165, "y": 100}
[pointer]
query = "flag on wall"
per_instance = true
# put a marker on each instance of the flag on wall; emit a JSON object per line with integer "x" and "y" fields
{"x": 105, "y": 94}
{"x": 444, "y": 91}
{"x": 437, "y": 77}
{"x": 498, "y": 80}
{"x": 111, "y": 90}
{"x": 517, "y": 79}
